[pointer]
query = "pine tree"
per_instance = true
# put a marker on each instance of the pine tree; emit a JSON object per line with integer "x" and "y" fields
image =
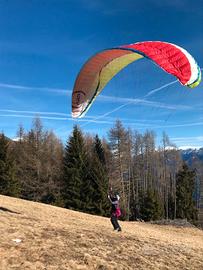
{"x": 75, "y": 169}
{"x": 150, "y": 206}
{"x": 8, "y": 183}
{"x": 101, "y": 178}
{"x": 185, "y": 183}
{"x": 99, "y": 150}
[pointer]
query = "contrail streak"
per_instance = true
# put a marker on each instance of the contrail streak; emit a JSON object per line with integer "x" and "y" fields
{"x": 35, "y": 112}
{"x": 29, "y": 88}
{"x": 30, "y": 116}
{"x": 160, "y": 88}
{"x": 132, "y": 102}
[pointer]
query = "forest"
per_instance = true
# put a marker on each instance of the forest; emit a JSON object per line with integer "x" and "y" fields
{"x": 153, "y": 181}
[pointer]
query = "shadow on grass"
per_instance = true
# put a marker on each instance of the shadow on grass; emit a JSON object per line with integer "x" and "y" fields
{"x": 8, "y": 210}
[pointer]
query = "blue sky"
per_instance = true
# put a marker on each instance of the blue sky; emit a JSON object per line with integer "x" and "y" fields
{"x": 44, "y": 43}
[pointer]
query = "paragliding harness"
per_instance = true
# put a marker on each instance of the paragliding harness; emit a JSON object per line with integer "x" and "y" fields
{"x": 115, "y": 209}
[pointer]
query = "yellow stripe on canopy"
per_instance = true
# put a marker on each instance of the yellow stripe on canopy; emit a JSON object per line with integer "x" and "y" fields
{"x": 95, "y": 74}
{"x": 116, "y": 65}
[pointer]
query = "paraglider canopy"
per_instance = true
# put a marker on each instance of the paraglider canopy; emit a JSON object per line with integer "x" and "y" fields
{"x": 103, "y": 66}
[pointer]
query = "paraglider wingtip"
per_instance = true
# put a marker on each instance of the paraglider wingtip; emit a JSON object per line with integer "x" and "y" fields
{"x": 195, "y": 83}
{"x": 76, "y": 115}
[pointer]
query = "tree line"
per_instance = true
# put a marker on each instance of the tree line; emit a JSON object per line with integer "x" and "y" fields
{"x": 153, "y": 182}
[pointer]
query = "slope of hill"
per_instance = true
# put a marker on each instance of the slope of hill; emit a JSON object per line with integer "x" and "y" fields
{"x": 38, "y": 236}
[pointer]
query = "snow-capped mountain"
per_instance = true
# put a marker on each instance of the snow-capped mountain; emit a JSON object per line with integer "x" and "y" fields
{"x": 192, "y": 155}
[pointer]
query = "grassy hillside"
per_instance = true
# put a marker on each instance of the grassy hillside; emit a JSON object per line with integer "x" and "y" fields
{"x": 56, "y": 238}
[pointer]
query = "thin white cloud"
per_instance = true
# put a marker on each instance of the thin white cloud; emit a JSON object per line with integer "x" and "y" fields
{"x": 155, "y": 126}
{"x": 102, "y": 98}
{"x": 46, "y": 115}
{"x": 139, "y": 123}
{"x": 182, "y": 125}
{"x": 191, "y": 138}
{"x": 188, "y": 142}
{"x": 143, "y": 102}
{"x": 30, "y": 88}
{"x": 96, "y": 119}
{"x": 36, "y": 112}
{"x": 55, "y": 118}
{"x": 41, "y": 113}
{"x": 135, "y": 101}
{"x": 31, "y": 116}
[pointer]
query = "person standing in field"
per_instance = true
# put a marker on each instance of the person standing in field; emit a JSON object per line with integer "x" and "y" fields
{"x": 115, "y": 210}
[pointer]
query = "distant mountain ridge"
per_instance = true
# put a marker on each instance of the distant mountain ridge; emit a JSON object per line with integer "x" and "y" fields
{"x": 191, "y": 155}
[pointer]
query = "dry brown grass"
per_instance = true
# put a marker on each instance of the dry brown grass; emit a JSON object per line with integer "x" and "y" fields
{"x": 56, "y": 238}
